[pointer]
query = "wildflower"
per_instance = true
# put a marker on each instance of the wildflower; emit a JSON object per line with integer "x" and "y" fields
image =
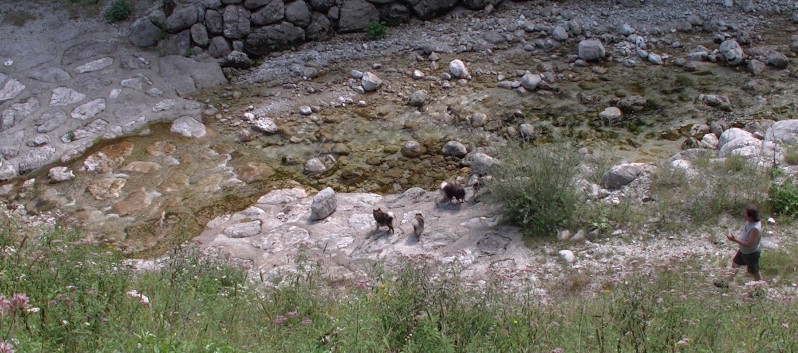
{"x": 306, "y": 321}
{"x": 683, "y": 343}
{"x": 6, "y": 347}
{"x": 292, "y": 314}
{"x": 363, "y": 283}
{"x": 5, "y": 305}
{"x": 33, "y": 310}
{"x": 143, "y": 299}
{"x": 279, "y": 320}
{"x": 20, "y": 301}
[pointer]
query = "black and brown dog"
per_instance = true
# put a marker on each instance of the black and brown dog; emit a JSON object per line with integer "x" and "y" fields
{"x": 451, "y": 190}
{"x": 383, "y": 219}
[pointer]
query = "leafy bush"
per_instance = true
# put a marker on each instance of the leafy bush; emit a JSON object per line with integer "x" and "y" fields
{"x": 118, "y": 11}
{"x": 375, "y": 30}
{"x": 535, "y": 186}
{"x": 784, "y": 198}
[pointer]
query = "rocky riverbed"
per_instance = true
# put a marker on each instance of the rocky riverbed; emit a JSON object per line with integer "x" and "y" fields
{"x": 147, "y": 151}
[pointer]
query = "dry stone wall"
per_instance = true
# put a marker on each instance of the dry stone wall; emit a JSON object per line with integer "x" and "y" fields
{"x": 259, "y": 27}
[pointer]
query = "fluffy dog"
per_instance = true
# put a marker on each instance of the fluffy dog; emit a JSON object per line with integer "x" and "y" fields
{"x": 418, "y": 225}
{"x": 452, "y": 190}
{"x": 383, "y": 219}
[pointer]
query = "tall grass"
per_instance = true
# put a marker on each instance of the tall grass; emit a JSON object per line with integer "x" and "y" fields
{"x": 717, "y": 187}
{"x": 536, "y": 187}
{"x": 80, "y": 299}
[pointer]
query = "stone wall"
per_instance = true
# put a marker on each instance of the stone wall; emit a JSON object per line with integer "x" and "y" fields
{"x": 258, "y": 27}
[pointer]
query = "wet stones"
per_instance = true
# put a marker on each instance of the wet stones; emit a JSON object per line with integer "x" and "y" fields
{"x": 106, "y": 188}
{"x": 418, "y": 98}
{"x": 187, "y": 126}
{"x": 454, "y": 148}
{"x": 60, "y": 174}
{"x": 412, "y": 149}
{"x": 591, "y": 50}
{"x": 319, "y": 164}
{"x": 264, "y": 125}
{"x": 731, "y": 52}
{"x": 107, "y": 158}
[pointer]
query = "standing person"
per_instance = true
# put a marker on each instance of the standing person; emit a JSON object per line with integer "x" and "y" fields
{"x": 748, "y": 245}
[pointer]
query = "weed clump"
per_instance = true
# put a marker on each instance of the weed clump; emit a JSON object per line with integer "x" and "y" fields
{"x": 536, "y": 187}
{"x": 375, "y": 30}
{"x": 118, "y": 11}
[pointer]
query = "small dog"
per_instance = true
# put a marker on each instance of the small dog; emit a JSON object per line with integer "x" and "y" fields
{"x": 383, "y": 219}
{"x": 452, "y": 190}
{"x": 418, "y": 225}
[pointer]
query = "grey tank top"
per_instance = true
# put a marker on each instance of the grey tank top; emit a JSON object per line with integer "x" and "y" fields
{"x": 744, "y": 237}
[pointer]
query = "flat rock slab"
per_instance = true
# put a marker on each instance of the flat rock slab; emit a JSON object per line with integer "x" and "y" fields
{"x": 89, "y": 110}
{"x": 10, "y": 90}
{"x": 95, "y": 65}
{"x": 65, "y": 96}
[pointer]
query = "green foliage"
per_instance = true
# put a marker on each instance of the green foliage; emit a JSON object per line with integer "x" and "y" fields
{"x": 375, "y": 30}
{"x": 791, "y": 155}
{"x": 784, "y": 198}
{"x": 118, "y": 11}
{"x": 79, "y": 301}
{"x": 535, "y": 186}
{"x": 711, "y": 188}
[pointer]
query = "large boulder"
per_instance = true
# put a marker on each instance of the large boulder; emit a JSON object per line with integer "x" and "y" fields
{"x": 623, "y": 174}
{"x": 428, "y": 9}
{"x": 738, "y": 142}
{"x": 272, "y": 38}
{"x": 324, "y": 204}
{"x": 236, "y": 22}
{"x": 394, "y": 14}
{"x": 273, "y": 12}
{"x": 298, "y": 13}
{"x": 731, "y": 52}
{"x": 355, "y": 15}
{"x": 320, "y": 28}
{"x": 785, "y": 131}
{"x": 214, "y": 21}
{"x": 182, "y": 19}
{"x": 591, "y": 49}
{"x": 143, "y": 33}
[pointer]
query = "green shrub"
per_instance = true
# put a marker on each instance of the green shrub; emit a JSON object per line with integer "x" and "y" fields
{"x": 791, "y": 155}
{"x": 375, "y": 30}
{"x": 118, "y": 11}
{"x": 784, "y": 198}
{"x": 535, "y": 186}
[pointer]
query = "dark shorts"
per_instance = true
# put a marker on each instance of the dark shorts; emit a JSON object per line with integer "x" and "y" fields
{"x": 750, "y": 260}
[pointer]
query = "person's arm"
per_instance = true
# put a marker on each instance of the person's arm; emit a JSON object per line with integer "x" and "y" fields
{"x": 753, "y": 235}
